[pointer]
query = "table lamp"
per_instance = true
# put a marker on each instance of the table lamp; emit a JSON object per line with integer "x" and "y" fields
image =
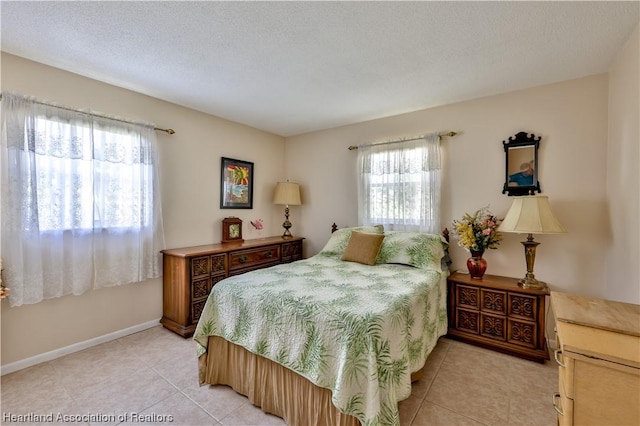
{"x": 531, "y": 215}
{"x": 287, "y": 194}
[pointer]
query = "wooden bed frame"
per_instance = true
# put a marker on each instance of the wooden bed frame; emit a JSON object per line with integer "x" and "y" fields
{"x": 272, "y": 387}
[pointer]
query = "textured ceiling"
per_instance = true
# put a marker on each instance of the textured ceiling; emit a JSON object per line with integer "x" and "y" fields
{"x": 295, "y": 67}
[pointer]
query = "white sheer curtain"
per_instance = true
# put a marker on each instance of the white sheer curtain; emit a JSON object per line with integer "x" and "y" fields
{"x": 80, "y": 201}
{"x": 399, "y": 184}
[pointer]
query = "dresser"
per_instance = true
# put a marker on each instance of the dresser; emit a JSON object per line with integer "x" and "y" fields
{"x": 598, "y": 352}
{"x": 189, "y": 274}
{"x": 496, "y": 313}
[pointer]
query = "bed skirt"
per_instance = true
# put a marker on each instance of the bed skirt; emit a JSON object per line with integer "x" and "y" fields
{"x": 270, "y": 386}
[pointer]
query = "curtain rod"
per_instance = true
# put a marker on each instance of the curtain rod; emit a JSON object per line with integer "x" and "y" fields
{"x": 441, "y": 135}
{"x": 169, "y": 131}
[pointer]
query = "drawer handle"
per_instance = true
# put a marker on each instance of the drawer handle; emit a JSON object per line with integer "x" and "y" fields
{"x": 268, "y": 255}
{"x": 555, "y": 406}
{"x": 557, "y": 354}
{"x": 242, "y": 259}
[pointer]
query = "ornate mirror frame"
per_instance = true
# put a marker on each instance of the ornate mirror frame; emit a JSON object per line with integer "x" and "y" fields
{"x": 521, "y": 164}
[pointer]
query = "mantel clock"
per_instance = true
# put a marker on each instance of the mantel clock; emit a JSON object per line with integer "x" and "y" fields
{"x": 232, "y": 230}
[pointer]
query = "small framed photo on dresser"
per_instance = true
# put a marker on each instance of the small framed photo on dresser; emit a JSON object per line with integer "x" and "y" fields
{"x": 236, "y": 184}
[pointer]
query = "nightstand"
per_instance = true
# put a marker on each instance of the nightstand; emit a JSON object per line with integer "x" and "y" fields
{"x": 497, "y": 314}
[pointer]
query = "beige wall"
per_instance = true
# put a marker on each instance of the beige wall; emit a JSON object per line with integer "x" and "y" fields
{"x": 623, "y": 177}
{"x": 571, "y": 118}
{"x": 190, "y": 177}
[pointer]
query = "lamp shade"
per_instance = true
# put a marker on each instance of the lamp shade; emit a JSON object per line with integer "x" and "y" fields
{"x": 531, "y": 215}
{"x": 287, "y": 193}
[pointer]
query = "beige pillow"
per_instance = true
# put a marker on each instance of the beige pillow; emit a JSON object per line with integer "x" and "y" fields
{"x": 363, "y": 248}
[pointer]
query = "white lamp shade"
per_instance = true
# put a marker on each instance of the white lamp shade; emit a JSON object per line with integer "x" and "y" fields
{"x": 531, "y": 215}
{"x": 287, "y": 193}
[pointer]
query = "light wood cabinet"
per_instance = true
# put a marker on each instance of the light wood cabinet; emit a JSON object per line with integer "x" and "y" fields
{"x": 189, "y": 274}
{"x": 598, "y": 352}
{"x": 497, "y": 314}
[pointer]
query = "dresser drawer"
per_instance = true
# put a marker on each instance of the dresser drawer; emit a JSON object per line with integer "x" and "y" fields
{"x": 467, "y": 297}
{"x": 206, "y": 265}
{"x": 563, "y": 405}
{"x": 468, "y": 320}
{"x": 494, "y": 301}
{"x": 523, "y": 306}
{"x": 245, "y": 259}
{"x": 523, "y": 333}
{"x": 493, "y": 326}
{"x": 291, "y": 251}
{"x": 565, "y": 371}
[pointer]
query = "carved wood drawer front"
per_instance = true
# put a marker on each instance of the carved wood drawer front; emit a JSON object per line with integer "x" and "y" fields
{"x": 196, "y": 310}
{"x": 292, "y": 251}
{"x": 494, "y": 301}
{"x": 200, "y": 288}
{"x": 200, "y": 266}
{"x": 219, "y": 263}
{"x": 467, "y": 320}
{"x": 494, "y": 326}
{"x": 248, "y": 258}
{"x": 522, "y": 333}
{"x": 523, "y": 306}
{"x": 467, "y": 297}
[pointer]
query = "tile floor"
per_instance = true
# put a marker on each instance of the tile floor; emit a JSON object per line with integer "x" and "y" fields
{"x": 154, "y": 373}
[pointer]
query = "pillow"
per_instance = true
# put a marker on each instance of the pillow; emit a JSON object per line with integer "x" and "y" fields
{"x": 363, "y": 248}
{"x": 338, "y": 241}
{"x": 424, "y": 251}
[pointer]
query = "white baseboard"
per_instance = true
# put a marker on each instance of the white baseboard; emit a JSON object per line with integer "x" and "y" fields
{"x": 57, "y": 353}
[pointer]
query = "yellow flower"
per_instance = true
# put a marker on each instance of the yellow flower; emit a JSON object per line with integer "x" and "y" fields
{"x": 478, "y": 232}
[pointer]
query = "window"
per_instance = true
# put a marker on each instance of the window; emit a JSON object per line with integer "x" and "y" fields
{"x": 105, "y": 192}
{"x": 400, "y": 184}
{"x": 80, "y": 201}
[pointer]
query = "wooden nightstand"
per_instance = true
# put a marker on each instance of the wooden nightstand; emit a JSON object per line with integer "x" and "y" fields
{"x": 498, "y": 314}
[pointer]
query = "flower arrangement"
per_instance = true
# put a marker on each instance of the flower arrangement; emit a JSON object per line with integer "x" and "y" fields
{"x": 479, "y": 231}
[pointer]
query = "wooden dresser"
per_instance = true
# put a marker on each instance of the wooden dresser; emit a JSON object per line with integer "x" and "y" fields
{"x": 598, "y": 350}
{"x": 189, "y": 273}
{"x": 498, "y": 314}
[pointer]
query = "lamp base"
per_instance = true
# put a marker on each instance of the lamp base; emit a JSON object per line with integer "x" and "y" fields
{"x": 286, "y": 225}
{"x": 529, "y": 280}
{"x": 532, "y": 282}
{"x": 287, "y": 234}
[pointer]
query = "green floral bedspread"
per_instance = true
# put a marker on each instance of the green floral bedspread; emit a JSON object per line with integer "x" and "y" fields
{"x": 355, "y": 329}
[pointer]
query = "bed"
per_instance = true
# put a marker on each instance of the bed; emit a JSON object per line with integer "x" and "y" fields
{"x": 333, "y": 339}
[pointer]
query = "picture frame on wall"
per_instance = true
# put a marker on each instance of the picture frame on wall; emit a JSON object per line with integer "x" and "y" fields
{"x": 236, "y": 184}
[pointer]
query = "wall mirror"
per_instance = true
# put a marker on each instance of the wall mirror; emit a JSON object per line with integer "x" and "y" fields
{"x": 521, "y": 164}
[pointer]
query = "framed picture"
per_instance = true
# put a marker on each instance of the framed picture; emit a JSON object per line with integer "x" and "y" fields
{"x": 236, "y": 184}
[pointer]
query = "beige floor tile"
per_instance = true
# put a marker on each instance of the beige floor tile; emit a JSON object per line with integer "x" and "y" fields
{"x": 108, "y": 362}
{"x": 531, "y": 408}
{"x": 34, "y": 390}
{"x": 180, "y": 372}
{"x": 219, "y": 401}
{"x": 432, "y": 414}
{"x": 176, "y": 409}
{"x": 158, "y": 345}
{"x": 472, "y": 383}
{"x": 133, "y": 394}
{"x": 249, "y": 415}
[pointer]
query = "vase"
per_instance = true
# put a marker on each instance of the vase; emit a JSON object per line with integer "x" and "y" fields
{"x": 476, "y": 265}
